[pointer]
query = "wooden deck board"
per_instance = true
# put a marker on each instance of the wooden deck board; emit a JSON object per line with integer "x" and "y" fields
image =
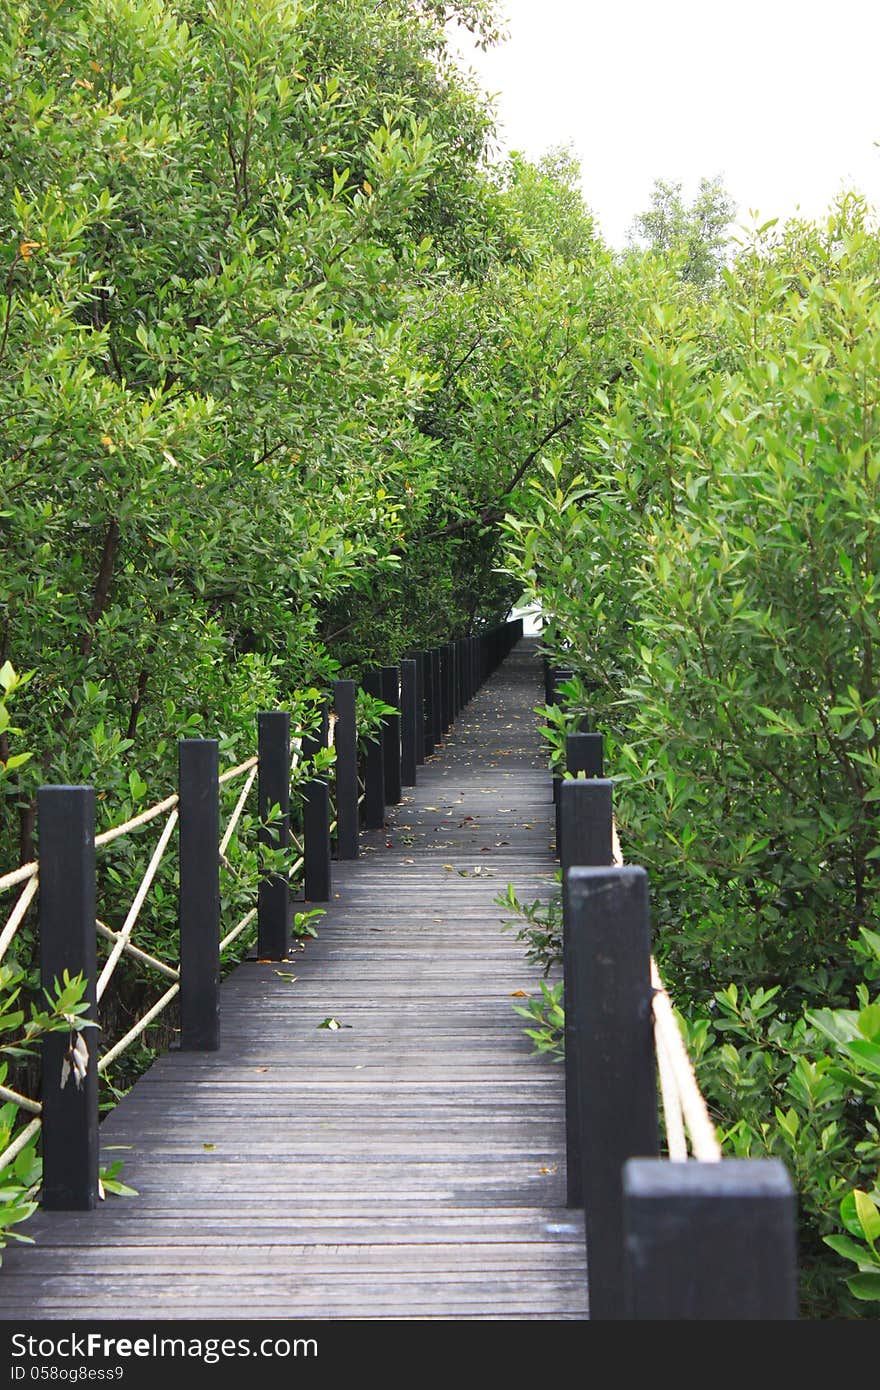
{"x": 410, "y": 1165}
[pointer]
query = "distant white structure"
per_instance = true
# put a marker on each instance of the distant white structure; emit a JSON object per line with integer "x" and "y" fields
{"x": 532, "y": 616}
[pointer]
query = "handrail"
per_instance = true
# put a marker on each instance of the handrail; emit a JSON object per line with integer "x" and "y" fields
{"x": 139, "y": 899}
{"x": 16, "y": 917}
{"x": 684, "y": 1107}
{"x": 28, "y": 874}
{"x": 239, "y": 806}
{"x": 685, "y": 1113}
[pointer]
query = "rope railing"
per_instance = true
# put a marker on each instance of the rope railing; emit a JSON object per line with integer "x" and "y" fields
{"x": 18, "y": 875}
{"x": 23, "y": 1102}
{"x": 685, "y": 1113}
{"x": 135, "y": 1031}
{"x": 21, "y": 1141}
{"x": 137, "y": 954}
{"x": 237, "y": 931}
{"x": 239, "y": 807}
{"x": 138, "y": 902}
{"x": 152, "y": 812}
{"x": 684, "y": 1107}
{"x": 28, "y": 874}
{"x": 17, "y": 915}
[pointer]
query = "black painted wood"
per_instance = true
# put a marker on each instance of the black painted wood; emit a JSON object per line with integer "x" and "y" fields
{"x": 710, "y": 1241}
{"x": 608, "y": 911}
{"x": 374, "y": 763}
{"x": 585, "y": 815}
{"x": 273, "y": 789}
{"x": 391, "y": 735}
{"x": 346, "y": 770}
{"x": 408, "y": 722}
{"x": 408, "y": 1165}
{"x": 584, "y": 755}
{"x": 427, "y": 702}
{"x": 66, "y": 824}
{"x": 419, "y": 658}
{"x": 436, "y": 696}
{"x": 199, "y": 911}
{"x": 316, "y": 818}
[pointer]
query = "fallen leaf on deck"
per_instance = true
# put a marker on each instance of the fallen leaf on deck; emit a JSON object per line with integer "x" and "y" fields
{"x": 333, "y": 1024}
{"x": 519, "y": 994}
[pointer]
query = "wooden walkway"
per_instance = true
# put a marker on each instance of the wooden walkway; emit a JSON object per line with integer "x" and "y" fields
{"x": 408, "y": 1165}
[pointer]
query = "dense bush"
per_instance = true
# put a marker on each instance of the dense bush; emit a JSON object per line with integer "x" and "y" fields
{"x": 711, "y": 570}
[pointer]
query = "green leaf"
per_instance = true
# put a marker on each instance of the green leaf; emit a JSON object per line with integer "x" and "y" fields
{"x": 865, "y": 1287}
{"x": 868, "y": 1215}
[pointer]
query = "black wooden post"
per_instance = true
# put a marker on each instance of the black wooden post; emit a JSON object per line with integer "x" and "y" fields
{"x": 450, "y": 684}
{"x": 345, "y": 743}
{"x": 427, "y": 701}
{"x": 608, "y": 913}
{"x": 198, "y": 770}
{"x": 374, "y": 767}
{"x": 408, "y": 722}
{"x": 462, "y": 673}
{"x": 583, "y": 755}
{"x": 709, "y": 1241}
{"x": 66, "y": 822}
{"x": 419, "y": 705}
{"x": 436, "y": 696}
{"x": 585, "y": 816}
{"x": 316, "y": 819}
{"x": 273, "y": 897}
{"x": 443, "y": 655}
{"x": 391, "y": 735}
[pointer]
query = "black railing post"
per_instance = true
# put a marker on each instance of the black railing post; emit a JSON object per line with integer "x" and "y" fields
{"x": 460, "y": 646}
{"x": 709, "y": 1241}
{"x": 273, "y": 897}
{"x": 608, "y": 912}
{"x": 316, "y": 818}
{"x": 408, "y": 722}
{"x": 66, "y": 823}
{"x": 198, "y": 770}
{"x": 436, "y": 696}
{"x": 374, "y": 765}
{"x": 443, "y": 656}
{"x": 583, "y": 755}
{"x": 419, "y": 705}
{"x": 427, "y": 702}
{"x": 391, "y": 735}
{"x": 346, "y": 767}
{"x": 585, "y": 816}
{"x": 450, "y": 684}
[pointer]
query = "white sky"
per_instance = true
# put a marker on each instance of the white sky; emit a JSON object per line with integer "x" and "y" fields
{"x": 780, "y": 97}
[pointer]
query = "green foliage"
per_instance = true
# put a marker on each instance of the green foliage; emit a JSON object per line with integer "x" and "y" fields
{"x": 695, "y": 236}
{"x": 538, "y": 925}
{"x": 709, "y": 560}
{"x": 548, "y": 1016}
